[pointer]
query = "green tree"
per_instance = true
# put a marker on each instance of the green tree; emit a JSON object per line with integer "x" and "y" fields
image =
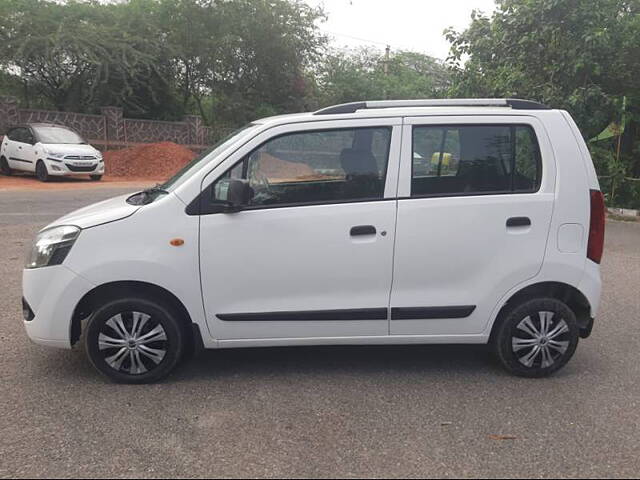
{"x": 76, "y": 53}
{"x": 351, "y": 75}
{"x": 568, "y": 53}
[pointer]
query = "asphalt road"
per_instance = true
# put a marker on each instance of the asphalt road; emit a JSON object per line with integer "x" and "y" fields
{"x": 319, "y": 412}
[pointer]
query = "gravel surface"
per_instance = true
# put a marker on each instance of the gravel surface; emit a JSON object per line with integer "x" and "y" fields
{"x": 415, "y": 411}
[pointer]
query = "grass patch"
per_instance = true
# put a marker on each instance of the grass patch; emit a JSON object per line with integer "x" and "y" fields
{"x": 622, "y": 218}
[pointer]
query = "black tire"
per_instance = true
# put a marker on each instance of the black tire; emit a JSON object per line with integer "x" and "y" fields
{"x": 41, "y": 171}
{"x": 95, "y": 178}
{"x": 108, "y": 359}
{"x": 4, "y": 167}
{"x": 523, "y": 348}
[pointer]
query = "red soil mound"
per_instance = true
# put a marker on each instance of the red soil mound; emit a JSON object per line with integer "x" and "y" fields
{"x": 154, "y": 160}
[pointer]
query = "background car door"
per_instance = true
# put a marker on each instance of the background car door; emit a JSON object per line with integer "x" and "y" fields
{"x": 311, "y": 254}
{"x": 473, "y": 219}
{"x": 20, "y": 154}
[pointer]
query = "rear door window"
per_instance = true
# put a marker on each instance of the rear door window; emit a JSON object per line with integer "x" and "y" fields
{"x": 454, "y": 160}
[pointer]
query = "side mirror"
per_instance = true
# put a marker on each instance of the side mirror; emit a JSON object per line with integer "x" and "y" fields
{"x": 233, "y": 194}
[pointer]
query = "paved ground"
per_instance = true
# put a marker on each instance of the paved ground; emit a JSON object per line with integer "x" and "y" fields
{"x": 308, "y": 412}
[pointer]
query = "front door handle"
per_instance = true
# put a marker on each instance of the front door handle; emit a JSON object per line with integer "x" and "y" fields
{"x": 363, "y": 230}
{"x": 519, "y": 222}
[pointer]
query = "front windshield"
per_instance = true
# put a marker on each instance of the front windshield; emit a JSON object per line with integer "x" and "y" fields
{"x": 212, "y": 152}
{"x": 58, "y": 135}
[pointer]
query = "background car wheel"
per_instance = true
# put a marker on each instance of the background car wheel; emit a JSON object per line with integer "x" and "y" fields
{"x": 537, "y": 338}
{"x": 96, "y": 178}
{"x": 134, "y": 340}
{"x": 4, "y": 167}
{"x": 41, "y": 171}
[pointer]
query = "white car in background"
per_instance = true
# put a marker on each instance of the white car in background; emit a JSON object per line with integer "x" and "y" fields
{"x": 49, "y": 150}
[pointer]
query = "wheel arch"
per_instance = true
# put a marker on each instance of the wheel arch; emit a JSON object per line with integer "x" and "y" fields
{"x": 564, "y": 292}
{"x": 104, "y": 292}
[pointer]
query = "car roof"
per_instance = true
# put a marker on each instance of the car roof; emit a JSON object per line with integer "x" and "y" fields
{"x": 410, "y": 108}
{"x": 48, "y": 125}
{"x": 39, "y": 124}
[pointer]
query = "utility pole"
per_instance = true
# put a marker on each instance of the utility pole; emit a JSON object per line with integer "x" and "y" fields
{"x": 387, "y": 57}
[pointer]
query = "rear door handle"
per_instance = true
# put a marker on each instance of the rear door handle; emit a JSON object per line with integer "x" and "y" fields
{"x": 363, "y": 230}
{"x": 519, "y": 222}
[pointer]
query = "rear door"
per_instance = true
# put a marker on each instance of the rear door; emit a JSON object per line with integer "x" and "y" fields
{"x": 476, "y": 199}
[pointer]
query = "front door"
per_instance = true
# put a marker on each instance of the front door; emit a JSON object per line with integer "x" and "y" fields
{"x": 476, "y": 199}
{"x": 310, "y": 254}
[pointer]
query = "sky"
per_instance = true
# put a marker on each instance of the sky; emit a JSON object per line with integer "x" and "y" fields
{"x": 403, "y": 24}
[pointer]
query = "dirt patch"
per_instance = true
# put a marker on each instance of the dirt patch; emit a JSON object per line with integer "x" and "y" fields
{"x": 155, "y": 160}
{"x": 280, "y": 171}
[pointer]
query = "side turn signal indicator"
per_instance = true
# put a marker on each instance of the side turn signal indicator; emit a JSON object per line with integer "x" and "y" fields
{"x": 177, "y": 242}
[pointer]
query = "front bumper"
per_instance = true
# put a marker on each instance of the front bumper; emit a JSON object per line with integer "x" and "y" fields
{"x": 67, "y": 167}
{"x": 52, "y": 294}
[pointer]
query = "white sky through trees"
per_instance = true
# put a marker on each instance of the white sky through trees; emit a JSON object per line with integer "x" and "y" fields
{"x": 403, "y": 24}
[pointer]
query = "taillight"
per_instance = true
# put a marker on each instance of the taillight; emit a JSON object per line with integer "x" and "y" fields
{"x": 596, "y": 227}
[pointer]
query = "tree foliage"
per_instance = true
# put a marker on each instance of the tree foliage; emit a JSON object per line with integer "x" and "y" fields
{"x": 562, "y": 52}
{"x": 362, "y": 74}
{"x": 80, "y": 53}
{"x": 579, "y": 55}
{"x": 162, "y": 58}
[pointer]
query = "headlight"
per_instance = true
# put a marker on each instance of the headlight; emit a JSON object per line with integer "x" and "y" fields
{"x": 52, "y": 246}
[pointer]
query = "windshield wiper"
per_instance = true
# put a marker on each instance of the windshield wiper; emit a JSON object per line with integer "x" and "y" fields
{"x": 146, "y": 196}
{"x": 157, "y": 188}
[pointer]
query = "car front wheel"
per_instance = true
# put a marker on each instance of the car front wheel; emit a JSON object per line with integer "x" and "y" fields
{"x": 537, "y": 338}
{"x": 134, "y": 340}
{"x": 42, "y": 172}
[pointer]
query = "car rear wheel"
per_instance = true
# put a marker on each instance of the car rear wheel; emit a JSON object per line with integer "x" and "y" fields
{"x": 537, "y": 338}
{"x": 134, "y": 340}
{"x": 41, "y": 171}
{"x": 4, "y": 167}
{"x": 96, "y": 178}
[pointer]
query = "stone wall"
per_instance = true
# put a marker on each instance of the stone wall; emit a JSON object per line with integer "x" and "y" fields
{"x": 110, "y": 129}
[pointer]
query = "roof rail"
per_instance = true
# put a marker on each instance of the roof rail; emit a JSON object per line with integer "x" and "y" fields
{"x": 514, "y": 103}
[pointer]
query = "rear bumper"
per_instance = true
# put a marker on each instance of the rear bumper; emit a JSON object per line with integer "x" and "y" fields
{"x": 52, "y": 294}
{"x": 591, "y": 286}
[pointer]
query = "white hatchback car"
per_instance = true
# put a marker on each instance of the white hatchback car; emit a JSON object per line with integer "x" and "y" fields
{"x": 395, "y": 222}
{"x": 49, "y": 150}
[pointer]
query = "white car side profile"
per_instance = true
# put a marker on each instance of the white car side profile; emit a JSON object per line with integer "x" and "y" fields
{"x": 475, "y": 221}
{"x": 49, "y": 150}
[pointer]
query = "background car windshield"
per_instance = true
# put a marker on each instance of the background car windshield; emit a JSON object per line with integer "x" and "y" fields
{"x": 58, "y": 135}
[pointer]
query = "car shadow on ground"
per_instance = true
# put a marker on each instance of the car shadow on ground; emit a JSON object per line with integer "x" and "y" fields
{"x": 366, "y": 360}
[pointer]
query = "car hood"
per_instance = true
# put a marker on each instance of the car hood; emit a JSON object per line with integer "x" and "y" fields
{"x": 70, "y": 149}
{"x": 99, "y": 213}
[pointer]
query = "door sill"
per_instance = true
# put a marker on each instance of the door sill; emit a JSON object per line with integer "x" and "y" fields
{"x": 367, "y": 340}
